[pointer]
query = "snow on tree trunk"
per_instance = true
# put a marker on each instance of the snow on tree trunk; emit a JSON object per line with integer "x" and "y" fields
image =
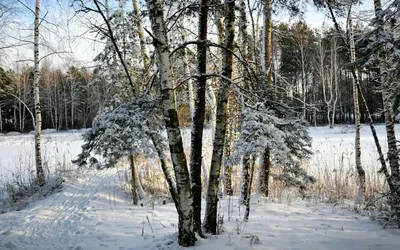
{"x": 186, "y": 235}
{"x": 210, "y": 220}
{"x": 245, "y": 179}
{"x": 244, "y": 48}
{"x": 198, "y": 117}
{"x": 359, "y": 168}
{"x": 248, "y": 198}
{"x": 38, "y": 115}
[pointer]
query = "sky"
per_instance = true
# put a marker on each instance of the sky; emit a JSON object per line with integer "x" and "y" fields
{"x": 66, "y": 31}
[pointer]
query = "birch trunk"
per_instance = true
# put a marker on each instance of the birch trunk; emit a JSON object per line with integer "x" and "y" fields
{"x": 326, "y": 83}
{"x": 248, "y": 198}
{"x": 245, "y": 179}
{"x": 166, "y": 170}
{"x": 335, "y": 82}
{"x": 244, "y": 49}
{"x": 210, "y": 220}
{"x": 146, "y": 72}
{"x": 359, "y": 168}
{"x": 187, "y": 73}
{"x": 186, "y": 235}
{"x": 198, "y": 117}
{"x": 38, "y": 115}
{"x": 227, "y": 152}
{"x": 142, "y": 39}
{"x": 212, "y": 100}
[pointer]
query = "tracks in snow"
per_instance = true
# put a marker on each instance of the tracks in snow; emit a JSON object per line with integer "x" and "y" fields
{"x": 54, "y": 221}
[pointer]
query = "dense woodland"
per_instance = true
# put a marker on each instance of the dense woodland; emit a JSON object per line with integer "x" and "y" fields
{"x": 257, "y": 84}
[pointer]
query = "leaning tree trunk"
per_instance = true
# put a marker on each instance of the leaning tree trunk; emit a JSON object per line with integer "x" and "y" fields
{"x": 158, "y": 145}
{"x": 210, "y": 220}
{"x": 359, "y": 168}
{"x": 266, "y": 67}
{"x": 198, "y": 117}
{"x": 186, "y": 235}
{"x": 36, "y": 100}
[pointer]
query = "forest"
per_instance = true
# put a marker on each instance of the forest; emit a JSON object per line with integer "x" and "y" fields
{"x": 227, "y": 67}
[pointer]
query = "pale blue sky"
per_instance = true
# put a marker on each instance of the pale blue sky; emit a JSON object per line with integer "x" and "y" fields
{"x": 64, "y": 33}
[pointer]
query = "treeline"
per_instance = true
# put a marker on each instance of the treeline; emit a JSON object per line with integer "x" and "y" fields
{"x": 315, "y": 65}
{"x": 312, "y": 63}
{"x": 69, "y": 97}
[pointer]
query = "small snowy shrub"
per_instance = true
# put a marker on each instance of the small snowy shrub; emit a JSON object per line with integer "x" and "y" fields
{"x": 285, "y": 135}
{"x": 129, "y": 129}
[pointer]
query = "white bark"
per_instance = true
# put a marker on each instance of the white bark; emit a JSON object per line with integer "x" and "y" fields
{"x": 185, "y": 206}
{"x": 212, "y": 100}
{"x": 359, "y": 168}
{"x": 38, "y": 114}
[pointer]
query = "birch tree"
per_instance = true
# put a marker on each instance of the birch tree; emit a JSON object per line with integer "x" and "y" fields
{"x": 36, "y": 90}
{"x": 360, "y": 170}
{"x": 185, "y": 205}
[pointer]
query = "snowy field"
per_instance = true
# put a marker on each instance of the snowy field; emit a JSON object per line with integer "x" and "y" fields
{"x": 91, "y": 212}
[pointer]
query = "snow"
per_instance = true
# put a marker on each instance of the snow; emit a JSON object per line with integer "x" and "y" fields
{"x": 92, "y": 211}
{"x": 332, "y": 145}
{"x": 17, "y": 152}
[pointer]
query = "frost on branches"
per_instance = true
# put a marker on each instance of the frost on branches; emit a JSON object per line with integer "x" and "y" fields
{"x": 130, "y": 129}
{"x": 287, "y": 138}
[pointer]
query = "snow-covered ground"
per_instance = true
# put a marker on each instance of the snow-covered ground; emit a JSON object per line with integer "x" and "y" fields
{"x": 17, "y": 152}
{"x": 91, "y": 211}
{"x": 332, "y": 145}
